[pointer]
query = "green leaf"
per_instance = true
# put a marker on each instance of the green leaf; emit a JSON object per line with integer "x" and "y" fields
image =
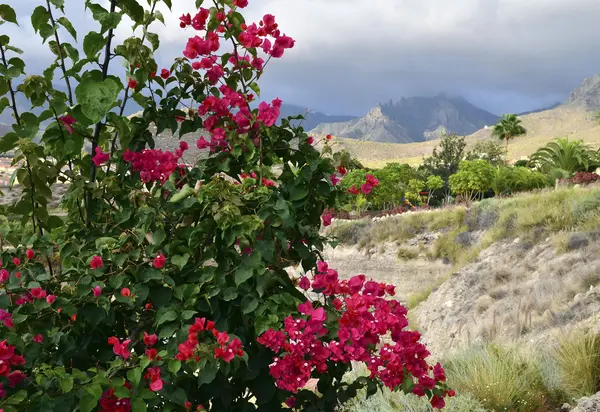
{"x": 68, "y": 26}
{"x": 105, "y": 242}
{"x": 4, "y": 103}
{"x": 254, "y": 86}
{"x": 134, "y": 376}
{"x": 167, "y": 317}
{"x": 13, "y": 48}
{"x": 174, "y": 366}
{"x": 138, "y": 405}
{"x": 88, "y": 403}
{"x": 186, "y": 191}
{"x": 158, "y": 236}
{"x": 180, "y": 260}
{"x": 153, "y": 39}
{"x": 208, "y": 373}
{"x": 66, "y": 384}
{"x": 8, "y": 14}
{"x": 39, "y": 17}
{"x": 249, "y": 304}
{"x": 92, "y": 44}
{"x": 104, "y": 17}
{"x": 58, "y": 3}
{"x": 230, "y": 294}
{"x": 242, "y": 274}
{"x": 149, "y": 274}
{"x": 17, "y": 398}
{"x": 96, "y": 96}
{"x": 132, "y": 9}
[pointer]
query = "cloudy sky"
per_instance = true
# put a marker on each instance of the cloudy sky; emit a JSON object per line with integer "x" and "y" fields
{"x": 503, "y": 55}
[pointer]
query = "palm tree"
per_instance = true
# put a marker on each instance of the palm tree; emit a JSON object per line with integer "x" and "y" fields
{"x": 507, "y": 128}
{"x": 565, "y": 155}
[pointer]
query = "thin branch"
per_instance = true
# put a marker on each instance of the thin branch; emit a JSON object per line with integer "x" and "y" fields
{"x": 60, "y": 54}
{"x": 18, "y": 121}
{"x": 98, "y": 128}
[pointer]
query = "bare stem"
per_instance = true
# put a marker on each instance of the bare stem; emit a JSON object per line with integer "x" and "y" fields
{"x": 98, "y": 128}
{"x": 60, "y": 54}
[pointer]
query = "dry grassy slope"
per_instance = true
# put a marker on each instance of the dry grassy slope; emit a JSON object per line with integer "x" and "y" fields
{"x": 570, "y": 121}
{"x": 518, "y": 269}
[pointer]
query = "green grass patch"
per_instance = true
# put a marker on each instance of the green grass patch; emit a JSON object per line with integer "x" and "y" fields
{"x": 501, "y": 379}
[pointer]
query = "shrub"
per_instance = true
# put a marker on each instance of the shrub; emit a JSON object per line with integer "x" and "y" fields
{"x": 164, "y": 284}
{"x": 584, "y": 178}
{"x": 473, "y": 178}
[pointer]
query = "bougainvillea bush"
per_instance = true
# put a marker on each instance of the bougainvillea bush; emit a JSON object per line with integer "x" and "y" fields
{"x": 165, "y": 285}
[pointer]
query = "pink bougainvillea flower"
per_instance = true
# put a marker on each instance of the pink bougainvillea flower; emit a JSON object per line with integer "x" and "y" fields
{"x": 6, "y": 319}
{"x": 202, "y": 143}
{"x": 240, "y": 3}
{"x": 310, "y": 140}
{"x": 366, "y": 188}
{"x": 96, "y": 262}
{"x": 150, "y": 340}
{"x": 334, "y": 179}
{"x": 30, "y": 254}
{"x": 341, "y": 170}
{"x": 16, "y": 261}
{"x": 67, "y": 121}
{"x": 326, "y": 218}
{"x": 97, "y": 290}
{"x": 438, "y": 402}
{"x": 4, "y": 275}
{"x": 372, "y": 180}
{"x": 125, "y": 292}
{"x": 304, "y": 283}
{"x": 153, "y": 375}
{"x": 38, "y": 338}
{"x": 132, "y": 83}
{"x": 38, "y": 293}
{"x": 354, "y": 190}
{"x": 100, "y": 157}
{"x": 159, "y": 261}
{"x": 50, "y": 299}
{"x": 164, "y": 73}
{"x": 120, "y": 349}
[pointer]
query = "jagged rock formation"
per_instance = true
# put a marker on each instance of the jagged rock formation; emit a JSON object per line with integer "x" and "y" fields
{"x": 588, "y": 94}
{"x": 375, "y": 126}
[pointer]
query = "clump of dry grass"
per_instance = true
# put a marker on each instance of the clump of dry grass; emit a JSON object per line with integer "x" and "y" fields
{"x": 407, "y": 253}
{"x": 501, "y": 379}
{"x": 577, "y": 355}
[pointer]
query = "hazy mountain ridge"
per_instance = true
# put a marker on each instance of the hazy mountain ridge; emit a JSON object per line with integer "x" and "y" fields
{"x": 413, "y": 119}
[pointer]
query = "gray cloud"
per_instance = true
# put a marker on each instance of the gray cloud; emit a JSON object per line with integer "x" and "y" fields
{"x": 504, "y": 55}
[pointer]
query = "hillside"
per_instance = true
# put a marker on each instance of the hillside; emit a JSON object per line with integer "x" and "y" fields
{"x": 501, "y": 284}
{"x": 413, "y": 119}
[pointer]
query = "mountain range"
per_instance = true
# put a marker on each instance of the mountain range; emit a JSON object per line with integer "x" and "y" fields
{"x": 413, "y": 119}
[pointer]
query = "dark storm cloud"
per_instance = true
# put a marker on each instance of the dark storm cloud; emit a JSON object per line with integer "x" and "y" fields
{"x": 504, "y": 55}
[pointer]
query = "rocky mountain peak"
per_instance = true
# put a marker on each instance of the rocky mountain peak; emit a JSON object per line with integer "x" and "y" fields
{"x": 588, "y": 94}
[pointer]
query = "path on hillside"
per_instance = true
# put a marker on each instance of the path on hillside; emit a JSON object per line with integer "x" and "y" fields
{"x": 383, "y": 266}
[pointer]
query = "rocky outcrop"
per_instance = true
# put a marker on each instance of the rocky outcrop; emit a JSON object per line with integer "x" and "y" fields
{"x": 588, "y": 94}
